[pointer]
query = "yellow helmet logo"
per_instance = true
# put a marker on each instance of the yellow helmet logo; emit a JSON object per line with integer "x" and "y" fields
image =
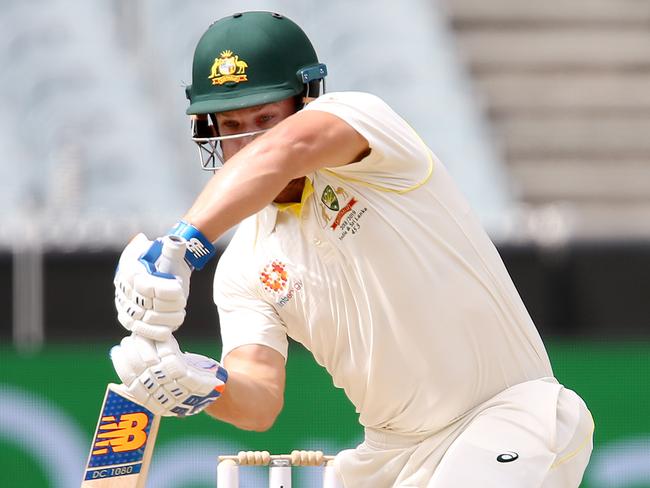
{"x": 228, "y": 67}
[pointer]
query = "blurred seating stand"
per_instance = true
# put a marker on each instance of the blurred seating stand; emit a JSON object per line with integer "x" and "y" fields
{"x": 565, "y": 85}
{"x": 95, "y": 138}
{"x": 83, "y": 150}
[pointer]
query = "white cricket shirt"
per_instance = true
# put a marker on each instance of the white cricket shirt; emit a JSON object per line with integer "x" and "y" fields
{"x": 387, "y": 277}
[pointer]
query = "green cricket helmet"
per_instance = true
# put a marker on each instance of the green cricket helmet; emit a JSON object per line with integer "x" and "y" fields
{"x": 244, "y": 60}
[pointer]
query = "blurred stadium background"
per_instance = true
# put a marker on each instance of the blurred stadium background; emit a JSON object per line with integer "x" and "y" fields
{"x": 541, "y": 111}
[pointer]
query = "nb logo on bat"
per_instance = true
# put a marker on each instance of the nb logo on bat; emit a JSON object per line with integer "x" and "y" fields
{"x": 123, "y": 434}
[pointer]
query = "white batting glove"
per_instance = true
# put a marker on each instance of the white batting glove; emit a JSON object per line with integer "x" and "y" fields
{"x": 165, "y": 380}
{"x": 152, "y": 283}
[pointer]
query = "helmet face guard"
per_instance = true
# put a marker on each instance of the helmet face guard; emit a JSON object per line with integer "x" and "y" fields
{"x": 245, "y": 60}
{"x": 209, "y": 145}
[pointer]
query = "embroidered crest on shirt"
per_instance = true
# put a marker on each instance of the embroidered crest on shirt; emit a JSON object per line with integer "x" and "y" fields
{"x": 329, "y": 198}
{"x": 342, "y": 218}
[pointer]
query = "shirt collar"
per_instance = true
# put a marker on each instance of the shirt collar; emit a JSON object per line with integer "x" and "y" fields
{"x": 296, "y": 207}
{"x": 267, "y": 217}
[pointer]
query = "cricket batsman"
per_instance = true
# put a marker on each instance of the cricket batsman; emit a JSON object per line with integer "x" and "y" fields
{"x": 354, "y": 241}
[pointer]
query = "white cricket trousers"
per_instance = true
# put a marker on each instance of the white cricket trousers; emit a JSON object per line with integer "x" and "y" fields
{"x": 536, "y": 434}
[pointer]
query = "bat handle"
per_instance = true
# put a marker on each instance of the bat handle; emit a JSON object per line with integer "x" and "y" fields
{"x": 173, "y": 253}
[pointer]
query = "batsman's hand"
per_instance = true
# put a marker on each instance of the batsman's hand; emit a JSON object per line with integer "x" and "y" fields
{"x": 152, "y": 283}
{"x": 165, "y": 380}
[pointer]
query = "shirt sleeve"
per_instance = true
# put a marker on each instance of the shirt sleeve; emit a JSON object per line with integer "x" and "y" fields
{"x": 244, "y": 317}
{"x": 398, "y": 161}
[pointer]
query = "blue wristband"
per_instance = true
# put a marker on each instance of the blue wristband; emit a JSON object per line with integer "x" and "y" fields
{"x": 199, "y": 248}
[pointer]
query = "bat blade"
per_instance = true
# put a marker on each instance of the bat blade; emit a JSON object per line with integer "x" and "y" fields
{"x": 123, "y": 443}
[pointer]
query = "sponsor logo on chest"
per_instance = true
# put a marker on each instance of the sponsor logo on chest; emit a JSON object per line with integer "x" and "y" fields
{"x": 276, "y": 281}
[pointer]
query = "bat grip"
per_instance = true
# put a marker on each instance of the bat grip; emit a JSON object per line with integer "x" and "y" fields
{"x": 172, "y": 254}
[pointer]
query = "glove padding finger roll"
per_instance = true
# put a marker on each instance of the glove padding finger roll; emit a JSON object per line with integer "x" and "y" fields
{"x": 152, "y": 286}
{"x": 171, "y": 384}
{"x": 132, "y": 356}
{"x": 147, "y": 287}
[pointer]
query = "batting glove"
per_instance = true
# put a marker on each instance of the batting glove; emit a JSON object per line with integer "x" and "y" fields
{"x": 165, "y": 380}
{"x": 152, "y": 281}
{"x": 149, "y": 301}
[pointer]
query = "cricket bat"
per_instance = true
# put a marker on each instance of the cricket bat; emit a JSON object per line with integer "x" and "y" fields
{"x": 126, "y": 431}
{"x": 123, "y": 443}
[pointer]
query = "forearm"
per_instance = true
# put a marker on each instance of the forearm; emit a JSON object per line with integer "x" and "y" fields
{"x": 247, "y": 183}
{"x": 253, "y": 177}
{"x": 254, "y": 392}
{"x": 247, "y": 403}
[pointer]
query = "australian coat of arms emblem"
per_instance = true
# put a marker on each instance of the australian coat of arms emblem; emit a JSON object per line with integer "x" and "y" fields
{"x": 228, "y": 67}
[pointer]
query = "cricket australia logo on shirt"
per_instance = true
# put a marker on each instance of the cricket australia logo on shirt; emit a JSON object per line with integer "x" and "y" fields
{"x": 275, "y": 279}
{"x": 342, "y": 218}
